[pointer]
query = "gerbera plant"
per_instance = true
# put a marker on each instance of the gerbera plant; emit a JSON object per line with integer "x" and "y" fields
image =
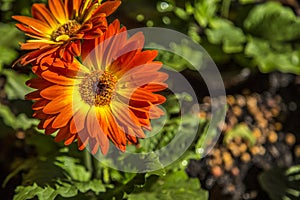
{"x": 57, "y": 28}
{"x": 107, "y": 96}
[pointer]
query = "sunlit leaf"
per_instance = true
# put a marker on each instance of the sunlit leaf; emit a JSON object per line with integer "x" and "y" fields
{"x": 71, "y": 166}
{"x": 16, "y": 122}
{"x": 181, "y": 13}
{"x": 204, "y": 11}
{"x": 94, "y": 185}
{"x": 8, "y": 44}
{"x": 44, "y": 193}
{"x": 15, "y": 87}
{"x": 240, "y": 130}
{"x": 173, "y": 186}
{"x": 281, "y": 183}
{"x": 247, "y": 1}
{"x": 223, "y": 32}
{"x": 270, "y": 56}
{"x": 273, "y": 21}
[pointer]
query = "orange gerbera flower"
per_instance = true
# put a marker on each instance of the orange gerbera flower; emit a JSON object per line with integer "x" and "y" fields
{"x": 58, "y": 27}
{"x": 107, "y": 97}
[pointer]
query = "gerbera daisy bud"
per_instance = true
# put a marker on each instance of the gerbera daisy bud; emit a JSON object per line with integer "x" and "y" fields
{"x": 110, "y": 96}
{"x": 58, "y": 27}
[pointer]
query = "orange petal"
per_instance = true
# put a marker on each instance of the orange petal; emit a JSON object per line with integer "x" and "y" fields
{"x": 137, "y": 133}
{"x": 63, "y": 117}
{"x": 116, "y": 134}
{"x": 96, "y": 131}
{"x": 33, "y": 95}
{"x": 75, "y": 47}
{"x": 70, "y": 139}
{"x": 32, "y": 32}
{"x": 74, "y": 128}
{"x": 35, "y": 24}
{"x": 40, "y": 114}
{"x": 132, "y": 139}
{"x": 38, "y": 105}
{"x": 33, "y": 45}
{"x": 142, "y": 78}
{"x": 41, "y": 12}
{"x": 57, "y": 104}
{"x": 82, "y": 141}
{"x": 144, "y": 57}
{"x": 49, "y": 130}
{"x": 92, "y": 123}
{"x": 48, "y": 121}
{"x": 61, "y": 135}
{"x": 76, "y": 6}
{"x": 124, "y": 116}
{"x": 36, "y": 55}
{"x": 134, "y": 43}
{"x": 57, "y": 78}
{"x": 79, "y": 119}
{"x": 155, "y": 87}
{"x": 94, "y": 146}
{"x": 138, "y": 95}
{"x": 150, "y": 67}
{"x": 160, "y": 99}
{"x": 155, "y": 112}
{"x": 57, "y": 9}
{"x": 68, "y": 7}
{"x": 54, "y": 91}
{"x": 107, "y": 7}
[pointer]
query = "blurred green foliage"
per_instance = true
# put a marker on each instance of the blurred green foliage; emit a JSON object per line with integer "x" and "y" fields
{"x": 245, "y": 34}
{"x": 282, "y": 183}
{"x": 242, "y": 131}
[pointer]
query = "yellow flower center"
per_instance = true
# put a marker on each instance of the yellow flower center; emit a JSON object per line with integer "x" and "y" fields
{"x": 98, "y": 88}
{"x": 66, "y": 30}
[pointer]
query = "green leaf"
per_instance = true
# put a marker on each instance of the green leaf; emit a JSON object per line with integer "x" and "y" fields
{"x": 270, "y": 56}
{"x": 119, "y": 190}
{"x": 16, "y": 122}
{"x": 44, "y": 193}
{"x": 223, "y": 32}
{"x": 40, "y": 171}
{"x": 173, "y": 186}
{"x": 27, "y": 192}
{"x": 44, "y": 144}
{"x": 49, "y": 177}
{"x": 181, "y": 57}
{"x": 61, "y": 188}
{"x": 66, "y": 190}
{"x": 94, "y": 185}
{"x": 240, "y": 130}
{"x": 24, "y": 166}
{"x": 181, "y": 13}
{"x": 71, "y": 166}
{"x": 15, "y": 87}
{"x": 281, "y": 183}
{"x": 43, "y": 172}
{"x": 247, "y": 1}
{"x": 272, "y": 21}
{"x": 7, "y": 55}
{"x": 204, "y": 11}
{"x": 193, "y": 32}
{"x": 153, "y": 162}
{"x": 8, "y": 44}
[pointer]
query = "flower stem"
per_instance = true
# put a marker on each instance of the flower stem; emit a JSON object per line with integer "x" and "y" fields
{"x": 98, "y": 169}
{"x": 88, "y": 161}
{"x": 225, "y": 8}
